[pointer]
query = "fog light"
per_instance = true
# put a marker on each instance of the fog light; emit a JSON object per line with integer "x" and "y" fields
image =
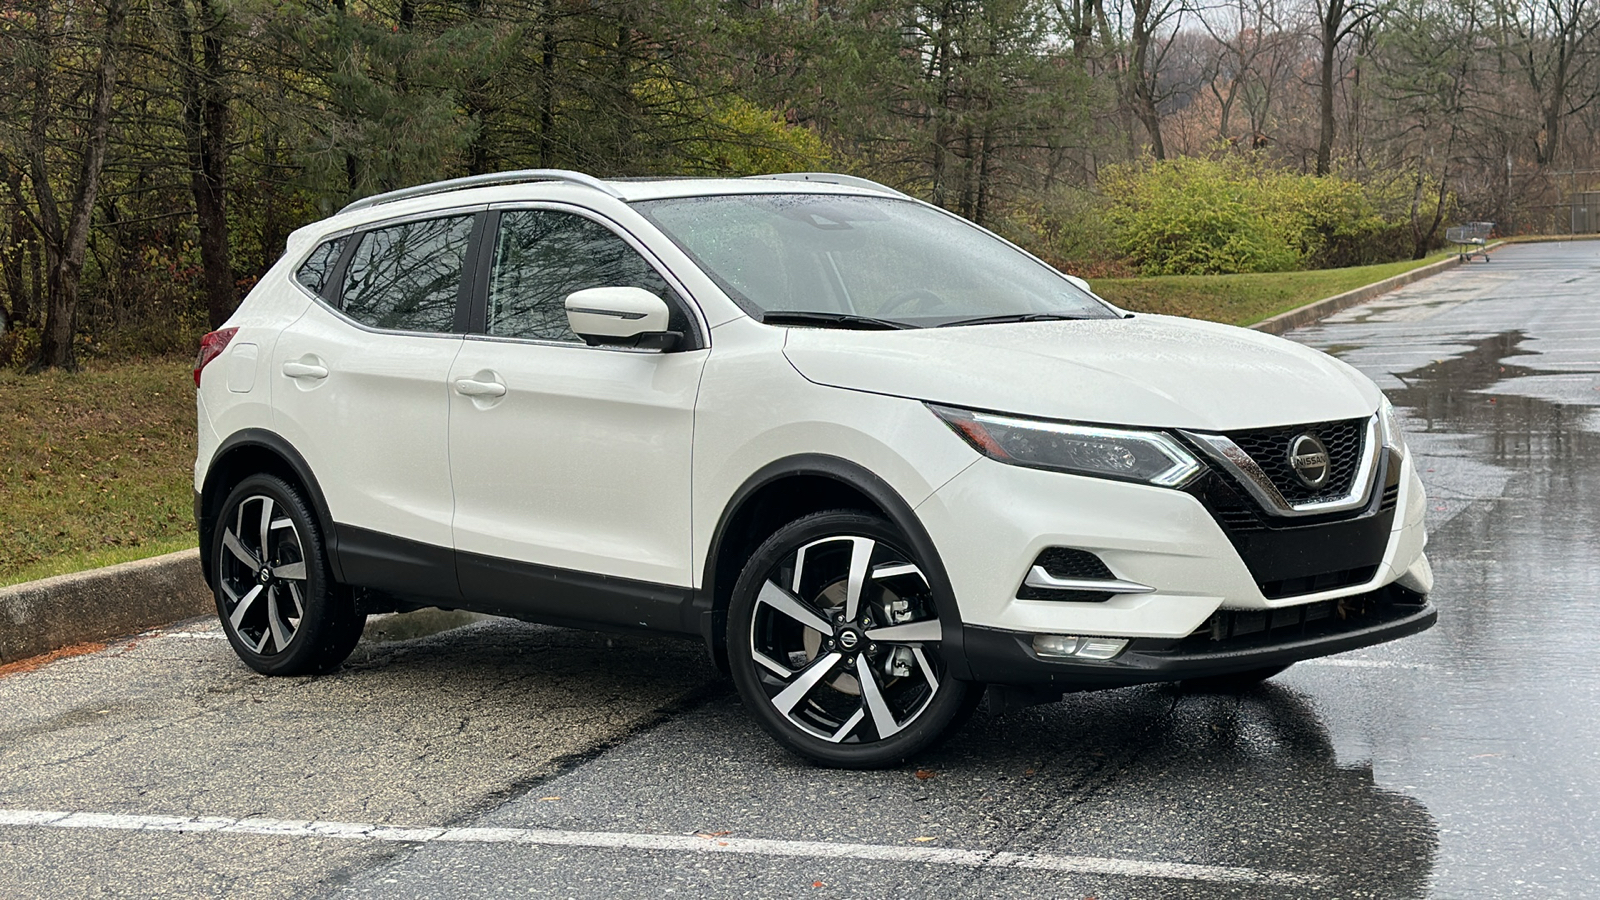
{"x": 1101, "y": 648}
{"x": 1062, "y": 646}
{"x": 1059, "y": 645}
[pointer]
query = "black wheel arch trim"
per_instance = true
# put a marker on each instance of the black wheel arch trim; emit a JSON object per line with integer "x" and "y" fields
{"x": 713, "y": 613}
{"x": 208, "y": 503}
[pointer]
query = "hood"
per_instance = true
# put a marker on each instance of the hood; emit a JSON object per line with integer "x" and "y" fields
{"x": 1153, "y": 371}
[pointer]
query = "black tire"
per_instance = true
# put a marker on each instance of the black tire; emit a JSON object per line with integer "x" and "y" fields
{"x": 259, "y": 592}
{"x": 1233, "y": 682}
{"x": 860, "y": 695}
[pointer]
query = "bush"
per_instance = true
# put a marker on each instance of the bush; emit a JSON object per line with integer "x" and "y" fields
{"x": 1197, "y": 216}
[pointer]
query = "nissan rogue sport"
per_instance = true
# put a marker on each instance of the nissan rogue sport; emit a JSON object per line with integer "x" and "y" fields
{"x": 874, "y": 456}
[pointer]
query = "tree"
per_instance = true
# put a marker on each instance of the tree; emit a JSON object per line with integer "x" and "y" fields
{"x": 54, "y": 47}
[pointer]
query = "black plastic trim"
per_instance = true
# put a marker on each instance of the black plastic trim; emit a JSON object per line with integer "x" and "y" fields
{"x": 713, "y": 618}
{"x": 207, "y": 503}
{"x": 574, "y": 599}
{"x": 412, "y": 569}
{"x": 1007, "y": 657}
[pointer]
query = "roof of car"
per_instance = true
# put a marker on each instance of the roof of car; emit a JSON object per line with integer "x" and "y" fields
{"x": 559, "y": 184}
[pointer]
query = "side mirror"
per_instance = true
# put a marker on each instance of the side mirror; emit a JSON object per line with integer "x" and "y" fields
{"x": 620, "y": 317}
{"x": 1080, "y": 284}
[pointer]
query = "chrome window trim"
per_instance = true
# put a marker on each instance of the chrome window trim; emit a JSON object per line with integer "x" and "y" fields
{"x": 1222, "y": 450}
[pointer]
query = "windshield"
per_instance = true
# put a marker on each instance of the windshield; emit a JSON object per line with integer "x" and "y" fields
{"x": 853, "y": 259}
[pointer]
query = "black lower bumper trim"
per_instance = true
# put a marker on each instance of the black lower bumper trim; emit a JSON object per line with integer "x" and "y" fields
{"x": 1007, "y": 657}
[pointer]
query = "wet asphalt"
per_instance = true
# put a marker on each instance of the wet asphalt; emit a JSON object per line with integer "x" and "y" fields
{"x": 1461, "y": 763}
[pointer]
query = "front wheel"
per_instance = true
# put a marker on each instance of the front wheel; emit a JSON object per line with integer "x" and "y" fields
{"x": 834, "y": 638}
{"x": 280, "y": 607}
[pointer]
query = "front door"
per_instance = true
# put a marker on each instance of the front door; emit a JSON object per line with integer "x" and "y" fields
{"x": 571, "y": 463}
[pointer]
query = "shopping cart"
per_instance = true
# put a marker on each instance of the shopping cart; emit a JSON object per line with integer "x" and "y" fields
{"x": 1470, "y": 239}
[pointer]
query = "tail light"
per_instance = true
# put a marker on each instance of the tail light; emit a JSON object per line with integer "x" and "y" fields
{"x": 211, "y": 346}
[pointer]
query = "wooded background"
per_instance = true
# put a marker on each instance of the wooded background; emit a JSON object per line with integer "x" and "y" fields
{"x": 155, "y": 154}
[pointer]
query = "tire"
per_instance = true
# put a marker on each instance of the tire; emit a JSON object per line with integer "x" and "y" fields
{"x": 259, "y": 593}
{"x": 1233, "y": 682}
{"x": 854, "y": 683}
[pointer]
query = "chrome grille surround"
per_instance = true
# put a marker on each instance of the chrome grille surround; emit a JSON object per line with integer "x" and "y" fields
{"x": 1222, "y": 450}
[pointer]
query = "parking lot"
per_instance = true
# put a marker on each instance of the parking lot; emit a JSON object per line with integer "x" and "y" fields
{"x": 500, "y": 758}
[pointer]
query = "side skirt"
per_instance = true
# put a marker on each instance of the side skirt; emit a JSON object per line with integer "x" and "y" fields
{"x": 427, "y": 573}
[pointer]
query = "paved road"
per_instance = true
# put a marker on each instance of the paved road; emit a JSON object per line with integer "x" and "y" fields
{"x": 507, "y": 759}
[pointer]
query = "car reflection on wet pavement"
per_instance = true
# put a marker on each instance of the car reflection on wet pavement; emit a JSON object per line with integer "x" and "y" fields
{"x": 1495, "y": 725}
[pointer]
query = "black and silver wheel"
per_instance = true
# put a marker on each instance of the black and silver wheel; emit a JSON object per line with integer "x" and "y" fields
{"x": 834, "y": 638}
{"x": 277, "y": 600}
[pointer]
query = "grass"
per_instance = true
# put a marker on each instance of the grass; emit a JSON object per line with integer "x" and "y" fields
{"x": 95, "y": 466}
{"x": 1244, "y": 299}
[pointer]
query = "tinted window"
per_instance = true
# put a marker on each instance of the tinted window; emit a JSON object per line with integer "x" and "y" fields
{"x": 542, "y": 255}
{"x": 406, "y": 277}
{"x": 314, "y": 272}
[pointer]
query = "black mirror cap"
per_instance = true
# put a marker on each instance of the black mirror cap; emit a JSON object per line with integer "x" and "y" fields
{"x": 659, "y": 341}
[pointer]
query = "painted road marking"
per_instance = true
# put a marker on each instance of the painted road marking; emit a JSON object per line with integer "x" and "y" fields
{"x": 605, "y": 840}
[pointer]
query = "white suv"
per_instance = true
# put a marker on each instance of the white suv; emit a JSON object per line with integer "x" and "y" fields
{"x": 873, "y": 456}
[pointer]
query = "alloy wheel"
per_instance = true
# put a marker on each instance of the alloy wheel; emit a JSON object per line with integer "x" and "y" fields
{"x": 263, "y": 577}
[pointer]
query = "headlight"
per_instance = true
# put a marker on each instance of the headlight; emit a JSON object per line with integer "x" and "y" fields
{"x": 1393, "y": 435}
{"x": 1145, "y": 456}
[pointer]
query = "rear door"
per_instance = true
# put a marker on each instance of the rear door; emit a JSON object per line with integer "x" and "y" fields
{"x": 361, "y": 394}
{"x": 571, "y": 463}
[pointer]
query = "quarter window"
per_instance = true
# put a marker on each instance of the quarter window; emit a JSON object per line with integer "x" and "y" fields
{"x": 543, "y": 255}
{"x": 407, "y": 277}
{"x": 314, "y": 272}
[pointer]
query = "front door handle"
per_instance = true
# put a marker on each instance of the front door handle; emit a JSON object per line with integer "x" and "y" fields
{"x": 295, "y": 369}
{"x": 470, "y": 388}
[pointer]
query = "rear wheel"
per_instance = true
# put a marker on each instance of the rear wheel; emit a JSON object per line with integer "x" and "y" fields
{"x": 276, "y": 597}
{"x": 834, "y": 638}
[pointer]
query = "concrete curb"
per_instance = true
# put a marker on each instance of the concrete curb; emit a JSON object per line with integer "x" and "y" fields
{"x": 39, "y": 616}
{"x": 1312, "y": 312}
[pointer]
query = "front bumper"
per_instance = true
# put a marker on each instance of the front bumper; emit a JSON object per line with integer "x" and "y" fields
{"x": 992, "y": 521}
{"x": 1233, "y": 643}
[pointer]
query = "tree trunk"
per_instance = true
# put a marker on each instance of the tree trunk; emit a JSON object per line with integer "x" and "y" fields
{"x": 66, "y": 255}
{"x": 1144, "y": 98}
{"x": 1332, "y": 19}
{"x": 205, "y": 120}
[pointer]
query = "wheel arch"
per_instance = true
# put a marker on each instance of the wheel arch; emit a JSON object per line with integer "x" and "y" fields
{"x": 246, "y": 453}
{"x": 785, "y": 490}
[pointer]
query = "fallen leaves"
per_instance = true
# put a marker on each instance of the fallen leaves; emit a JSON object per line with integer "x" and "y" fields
{"x": 925, "y": 774}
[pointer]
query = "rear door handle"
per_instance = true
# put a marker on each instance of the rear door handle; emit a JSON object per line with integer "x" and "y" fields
{"x": 470, "y": 388}
{"x": 295, "y": 369}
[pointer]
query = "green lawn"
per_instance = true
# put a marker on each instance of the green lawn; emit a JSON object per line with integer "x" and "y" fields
{"x": 1243, "y": 299}
{"x": 95, "y": 467}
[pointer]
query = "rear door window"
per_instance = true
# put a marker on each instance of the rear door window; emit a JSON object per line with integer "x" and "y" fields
{"x": 407, "y": 277}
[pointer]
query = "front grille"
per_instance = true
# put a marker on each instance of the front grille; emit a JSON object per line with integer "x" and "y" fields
{"x": 1269, "y": 447}
{"x": 1312, "y": 584}
{"x": 1391, "y": 496}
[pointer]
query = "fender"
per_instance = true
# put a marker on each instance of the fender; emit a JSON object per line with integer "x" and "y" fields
{"x": 207, "y": 502}
{"x": 713, "y": 612}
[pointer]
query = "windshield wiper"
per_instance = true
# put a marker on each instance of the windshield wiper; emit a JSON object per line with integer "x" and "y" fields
{"x": 1016, "y": 317}
{"x": 838, "y": 320}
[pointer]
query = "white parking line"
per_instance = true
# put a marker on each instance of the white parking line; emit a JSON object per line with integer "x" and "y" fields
{"x": 974, "y": 859}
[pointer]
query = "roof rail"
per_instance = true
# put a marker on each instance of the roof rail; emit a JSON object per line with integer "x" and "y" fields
{"x": 831, "y": 178}
{"x": 519, "y": 176}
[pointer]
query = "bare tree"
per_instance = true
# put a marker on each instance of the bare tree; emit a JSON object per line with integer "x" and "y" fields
{"x": 65, "y": 232}
{"x": 1336, "y": 21}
